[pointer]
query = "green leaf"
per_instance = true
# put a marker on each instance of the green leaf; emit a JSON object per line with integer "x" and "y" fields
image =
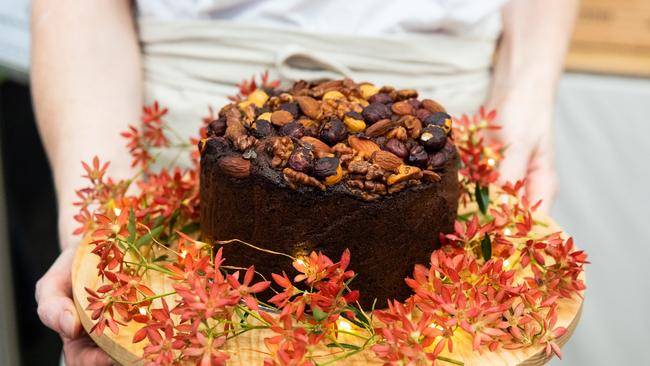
{"x": 486, "y": 247}
{"x": 145, "y": 239}
{"x": 131, "y": 226}
{"x": 319, "y": 315}
{"x": 190, "y": 228}
{"x": 482, "y": 195}
{"x": 361, "y": 320}
{"x": 162, "y": 258}
{"x": 343, "y": 345}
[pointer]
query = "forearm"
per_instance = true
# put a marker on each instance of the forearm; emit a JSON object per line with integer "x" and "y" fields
{"x": 535, "y": 38}
{"x": 86, "y": 85}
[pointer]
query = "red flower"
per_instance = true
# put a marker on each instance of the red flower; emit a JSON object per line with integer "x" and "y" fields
{"x": 245, "y": 290}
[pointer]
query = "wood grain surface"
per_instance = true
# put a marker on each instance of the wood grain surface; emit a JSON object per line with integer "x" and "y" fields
{"x": 248, "y": 349}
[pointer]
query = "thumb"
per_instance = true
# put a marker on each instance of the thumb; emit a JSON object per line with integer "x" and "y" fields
{"x": 515, "y": 166}
{"x": 542, "y": 183}
{"x": 54, "y": 296}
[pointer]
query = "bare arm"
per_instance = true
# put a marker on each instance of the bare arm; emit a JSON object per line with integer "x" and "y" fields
{"x": 530, "y": 61}
{"x": 87, "y": 87}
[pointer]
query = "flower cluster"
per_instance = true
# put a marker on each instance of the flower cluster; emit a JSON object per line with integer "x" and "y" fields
{"x": 494, "y": 280}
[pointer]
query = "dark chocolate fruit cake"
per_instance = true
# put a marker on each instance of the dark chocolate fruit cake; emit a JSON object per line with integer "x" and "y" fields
{"x": 328, "y": 166}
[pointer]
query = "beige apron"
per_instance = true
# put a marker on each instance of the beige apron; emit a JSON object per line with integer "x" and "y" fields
{"x": 190, "y": 65}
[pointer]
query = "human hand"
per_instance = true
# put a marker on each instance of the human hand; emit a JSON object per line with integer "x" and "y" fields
{"x": 57, "y": 311}
{"x": 527, "y": 132}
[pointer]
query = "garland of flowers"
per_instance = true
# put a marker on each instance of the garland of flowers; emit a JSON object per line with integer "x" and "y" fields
{"x": 493, "y": 279}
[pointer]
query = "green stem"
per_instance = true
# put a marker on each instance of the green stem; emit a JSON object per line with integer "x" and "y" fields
{"x": 450, "y": 360}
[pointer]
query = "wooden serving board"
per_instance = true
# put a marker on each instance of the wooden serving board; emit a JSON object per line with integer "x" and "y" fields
{"x": 248, "y": 349}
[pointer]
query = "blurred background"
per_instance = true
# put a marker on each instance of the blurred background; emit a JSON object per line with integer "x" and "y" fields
{"x": 603, "y": 157}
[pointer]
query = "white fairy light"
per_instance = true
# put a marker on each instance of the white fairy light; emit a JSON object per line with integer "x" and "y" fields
{"x": 491, "y": 162}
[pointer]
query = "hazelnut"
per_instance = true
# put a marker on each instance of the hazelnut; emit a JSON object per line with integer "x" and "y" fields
{"x": 375, "y": 112}
{"x": 418, "y": 156}
{"x": 440, "y": 119}
{"x": 292, "y": 129}
{"x": 397, "y": 147}
{"x": 301, "y": 160}
{"x": 333, "y": 131}
{"x": 325, "y": 167}
{"x": 433, "y": 138}
{"x": 291, "y": 107}
{"x": 422, "y": 114}
{"x": 382, "y": 98}
{"x": 262, "y": 128}
{"x": 217, "y": 127}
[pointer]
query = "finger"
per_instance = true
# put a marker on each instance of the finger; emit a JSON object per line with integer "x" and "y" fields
{"x": 515, "y": 165}
{"x": 83, "y": 351}
{"x": 542, "y": 183}
{"x": 54, "y": 296}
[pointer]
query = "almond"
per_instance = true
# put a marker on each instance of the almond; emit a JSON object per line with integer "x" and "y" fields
{"x": 317, "y": 144}
{"x": 363, "y": 146}
{"x": 402, "y": 108}
{"x": 432, "y": 106}
{"x": 380, "y": 127}
{"x": 281, "y": 117}
{"x": 235, "y": 166}
{"x": 386, "y": 160}
{"x": 309, "y": 106}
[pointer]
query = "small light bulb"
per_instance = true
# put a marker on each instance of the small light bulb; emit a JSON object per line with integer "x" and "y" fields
{"x": 117, "y": 211}
{"x": 300, "y": 262}
{"x": 491, "y": 162}
{"x": 506, "y": 263}
{"x": 182, "y": 254}
{"x": 142, "y": 311}
{"x": 507, "y": 232}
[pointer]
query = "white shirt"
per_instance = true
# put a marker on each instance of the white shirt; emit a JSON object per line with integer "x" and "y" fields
{"x": 361, "y": 17}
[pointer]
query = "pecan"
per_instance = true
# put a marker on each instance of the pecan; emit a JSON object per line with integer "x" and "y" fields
{"x": 386, "y": 160}
{"x": 375, "y": 187}
{"x": 309, "y": 106}
{"x": 244, "y": 142}
{"x": 342, "y": 149}
{"x": 294, "y": 177}
{"x": 375, "y": 172}
{"x": 235, "y": 166}
{"x": 282, "y": 147}
{"x": 364, "y": 147}
{"x": 234, "y": 126}
{"x": 355, "y": 183}
{"x": 359, "y": 167}
{"x": 406, "y": 94}
{"x": 398, "y": 187}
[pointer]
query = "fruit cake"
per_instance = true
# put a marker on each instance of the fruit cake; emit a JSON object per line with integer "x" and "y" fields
{"x": 325, "y": 166}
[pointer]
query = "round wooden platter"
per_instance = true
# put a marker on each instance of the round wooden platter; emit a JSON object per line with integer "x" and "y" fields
{"x": 248, "y": 349}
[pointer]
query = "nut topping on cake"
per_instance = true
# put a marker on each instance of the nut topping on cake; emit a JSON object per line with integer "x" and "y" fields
{"x": 358, "y": 138}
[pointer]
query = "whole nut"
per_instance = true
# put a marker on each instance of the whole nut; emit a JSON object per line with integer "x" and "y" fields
{"x": 354, "y": 122}
{"x": 418, "y": 156}
{"x": 413, "y": 125}
{"x": 422, "y": 113}
{"x": 433, "y": 138}
{"x": 375, "y": 112}
{"x": 380, "y": 128}
{"x": 333, "y": 131}
{"x": 386, "y": 160}
{"x": 281, "y": 118}
{"x": 291, "y": 107}
{"x": 398, "y": 133}
{"x": 406, "y": 94}
{"x": 382, "y": 98}
{"x": 325, "y": 167}
{"x": 432, "y": 106}
{"x": 235, "y": 166}
{"x": 368, "y": 90}
{"x": 217, "y": 127}
{"x": 440, "y": 119}
{"x": 363, "y": 146}
{"x": 333, "y": 95}
{"x": 292, "y": 129}
{"x": 402, "y": 108}
{"x": 310, "y": 107}
{"x": 397, "y": 147}
{"x": 261, "y": 128}
{"x": 258, "y": 98}
{"x": 301, "y": 160}
{"x": 317, "y": 144}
